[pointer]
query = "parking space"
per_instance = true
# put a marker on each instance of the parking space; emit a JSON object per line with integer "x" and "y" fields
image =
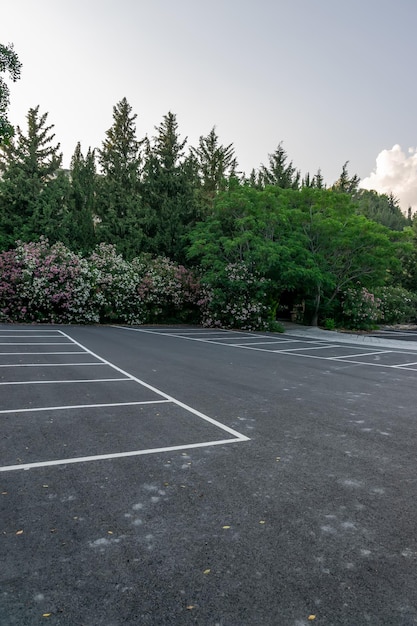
{"x": 294, "y": 346}
{"x": 61, "y": 387}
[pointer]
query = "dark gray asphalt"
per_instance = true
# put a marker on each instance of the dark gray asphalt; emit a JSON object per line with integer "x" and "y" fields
{"x": 311, "y": 520}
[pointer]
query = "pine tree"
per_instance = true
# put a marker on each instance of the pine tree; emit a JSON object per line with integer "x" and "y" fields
{"x": 119, "y": 205}
{"x": 168, "y": 192}
{"x": 82, "y": 201}
{"x": 279, "y": 172}
{"x": 346, "y": 183}
{"x": 29, "y": 182}
{"x": 215, "y": 165}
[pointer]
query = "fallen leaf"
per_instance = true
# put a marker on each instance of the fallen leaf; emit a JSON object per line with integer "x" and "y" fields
{"x": 19, "y": 532}
{"x": 46, "y": 614}
{"x": 262, "y": 521}
{"x": 311, "y": 617}
{"x": 207, "y": 571}
{"x": 190, "y": 606}
{"x": 4, "y": 493}
{"x": 226, "y": 527}
{"x": 45, "y": 486}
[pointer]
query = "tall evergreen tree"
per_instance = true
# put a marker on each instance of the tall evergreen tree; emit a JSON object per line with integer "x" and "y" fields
{"x": 168, "y": 192}
{"x": 82, "y": 201}
{"x": 30, "y": 188}
{"x": 279, "y": 172}
{"x": 119, "y": 203}
{"x": 215, "y": 165}
{"x": 346, "y": 183}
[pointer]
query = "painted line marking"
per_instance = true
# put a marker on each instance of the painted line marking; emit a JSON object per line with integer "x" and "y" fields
{"x": 81, "y": 406}
{"x": 292, "y": 352}
{"x": 348, "y": 356}
{"x": 403, "y": 365}
{"x": 321, "y": 347}
{"x": 237, "y": 437}
{"x": 119, "y": 455}
{"x": 208, "y": 419}
{"x": 37, "y": 353}
{"x": 59, "y": 382}
{"x": 47, "y": 364}
{"x": 36, "y": 343}
{"x": 220, "y": 343}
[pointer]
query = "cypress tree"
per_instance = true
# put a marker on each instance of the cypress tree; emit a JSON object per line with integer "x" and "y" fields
{"x": 119, "y": 205}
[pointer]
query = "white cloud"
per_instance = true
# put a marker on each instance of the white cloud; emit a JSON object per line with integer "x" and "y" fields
{"x": 395, "y": 172}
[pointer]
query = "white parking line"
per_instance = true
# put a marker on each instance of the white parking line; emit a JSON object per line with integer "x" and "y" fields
{"x": 81, "y": 406}
{"x": 236, "y": 436}
{"x": 117, "y": 455}
{"x": 75, "y": 380}
{"x": 47, "y": 364}
{"x": 300, "y": 352}
{"x": 321, "y": 347}
{"x": 348, "y": 356}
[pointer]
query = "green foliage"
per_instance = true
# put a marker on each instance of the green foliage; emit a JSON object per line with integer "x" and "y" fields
{"x": 29, "y": 166}
{"x": 118, "y": 204}
{"x": 9, "y": 62}
{"x": 279, "y": 172}
{"x": 215, "y": 164}
{"x": 168, "y": 193}
{"x": 381, "y": 208}
{"x": 81, "y": 213}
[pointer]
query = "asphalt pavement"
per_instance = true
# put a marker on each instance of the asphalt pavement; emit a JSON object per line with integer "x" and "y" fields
{"x": 180, "y": 475}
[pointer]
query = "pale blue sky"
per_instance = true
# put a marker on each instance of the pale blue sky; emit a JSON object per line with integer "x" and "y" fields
{"x": 333, "y": 80}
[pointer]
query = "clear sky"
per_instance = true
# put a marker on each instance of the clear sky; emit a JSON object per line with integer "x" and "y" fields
{"x": 333, "y": 80}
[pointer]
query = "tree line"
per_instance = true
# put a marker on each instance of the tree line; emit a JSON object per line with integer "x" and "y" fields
{"x": 273, "y": 236}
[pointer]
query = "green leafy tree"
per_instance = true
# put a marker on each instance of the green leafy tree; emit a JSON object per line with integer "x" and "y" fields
{"x": 9, "y": 62}
{"x": 308, "y": 243}
{"x": 344, "y": 249}
{"x": 119, "y": 203}
{"x": 168, "y": 191}
{"x": 31, "y": 189}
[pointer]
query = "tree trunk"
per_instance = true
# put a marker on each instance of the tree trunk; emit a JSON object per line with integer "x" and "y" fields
{"x": 315, "y": 318}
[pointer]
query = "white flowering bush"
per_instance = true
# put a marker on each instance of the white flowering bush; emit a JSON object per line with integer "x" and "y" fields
{"x": 47, "y": 283}
{"x": 235, "y": 298}
{"x": 361, "y": 309}
{"x": 398, "y": 306}
{"x": 44, "y": 283}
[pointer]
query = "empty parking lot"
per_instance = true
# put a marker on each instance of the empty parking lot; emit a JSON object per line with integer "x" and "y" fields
{"x": 185, "y": 475}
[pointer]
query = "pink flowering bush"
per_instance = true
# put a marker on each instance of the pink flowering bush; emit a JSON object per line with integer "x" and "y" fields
{"x": 235, "y": 298}
{"x": 361, "y": 309}
{"x": 398, "y": 305}
{"x": 44, "y": 283}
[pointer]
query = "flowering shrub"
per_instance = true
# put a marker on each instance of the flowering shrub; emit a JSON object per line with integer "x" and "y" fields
{"x": 235, "y": 298}
{"x": 360, "y": 309}
{"x": 44, "y": 283}
{"x": 398, "y": 306}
